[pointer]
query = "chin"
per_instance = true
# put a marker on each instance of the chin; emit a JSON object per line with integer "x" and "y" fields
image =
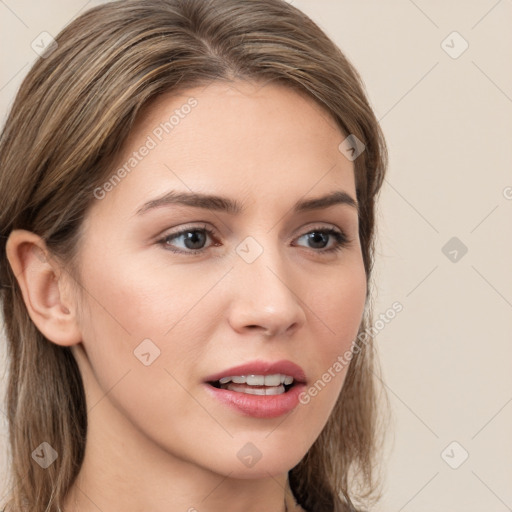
{"x": 271, "y": 459}
{"x": 272, "y": 468}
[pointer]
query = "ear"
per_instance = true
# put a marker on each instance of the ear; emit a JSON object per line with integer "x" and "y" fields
{"x": 45, "y": 287}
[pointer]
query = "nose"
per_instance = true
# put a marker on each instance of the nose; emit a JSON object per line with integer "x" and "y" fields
{"x": 264, "y": 300}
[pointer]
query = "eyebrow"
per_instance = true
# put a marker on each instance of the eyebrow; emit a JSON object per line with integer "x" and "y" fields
{"x": 231, "y": 206}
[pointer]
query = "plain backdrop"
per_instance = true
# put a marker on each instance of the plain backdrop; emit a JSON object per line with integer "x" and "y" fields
{"x": 439, "y": 77}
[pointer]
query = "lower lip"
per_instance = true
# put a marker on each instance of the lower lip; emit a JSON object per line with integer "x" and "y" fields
{"x": 259, "y": 406}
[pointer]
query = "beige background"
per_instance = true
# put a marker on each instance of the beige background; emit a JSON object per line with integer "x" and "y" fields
{"x": 446, "y": 357}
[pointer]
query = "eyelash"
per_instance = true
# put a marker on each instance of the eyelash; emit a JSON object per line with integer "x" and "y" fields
{"x": 341, "y": 240}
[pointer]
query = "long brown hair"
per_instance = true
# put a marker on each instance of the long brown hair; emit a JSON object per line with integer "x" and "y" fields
{"x": 68, "y": 123}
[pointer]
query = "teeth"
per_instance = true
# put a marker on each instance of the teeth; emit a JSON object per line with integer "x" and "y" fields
{"x": 255, "y": 380}
{"x": 275, "y": 390}
{"x": 273, "y": 380}
{"x": 259, "y": 380}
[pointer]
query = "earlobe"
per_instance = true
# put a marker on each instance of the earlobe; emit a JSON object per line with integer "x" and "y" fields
{"x": 43, "y": 284}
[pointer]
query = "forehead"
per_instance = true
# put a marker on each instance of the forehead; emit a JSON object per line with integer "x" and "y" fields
{"x": 259, "y": 141}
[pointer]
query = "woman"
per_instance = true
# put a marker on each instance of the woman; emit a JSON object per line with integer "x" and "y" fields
{"x": 187, "y": 233}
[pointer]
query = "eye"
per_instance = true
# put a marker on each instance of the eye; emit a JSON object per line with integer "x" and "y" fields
{"x": 190, "y": 240}
{"x": 325, "y": 240}
{"x": 195, "y": 240}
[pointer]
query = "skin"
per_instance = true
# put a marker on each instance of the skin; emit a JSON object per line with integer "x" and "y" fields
{"x": 156, "y": 439}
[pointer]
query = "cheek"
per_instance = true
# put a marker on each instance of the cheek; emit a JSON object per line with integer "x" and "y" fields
{"x": 151, "y": 322}
{"x": 146, "y": 301}
{"x": 143, "y": 337}
{"x": 339, "y": 309}
{"x": 339, "y": 305}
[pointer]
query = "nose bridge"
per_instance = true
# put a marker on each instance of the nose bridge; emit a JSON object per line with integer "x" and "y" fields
{"x": 265, "y": 296}
{"x": 263, "y": 264}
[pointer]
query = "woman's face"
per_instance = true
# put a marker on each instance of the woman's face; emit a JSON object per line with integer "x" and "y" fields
{"x": 228, "y": 247}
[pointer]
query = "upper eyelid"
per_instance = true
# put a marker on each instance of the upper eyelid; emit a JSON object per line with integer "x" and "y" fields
{"x": 205, "y": 225}
{"x": 213, "y": 231}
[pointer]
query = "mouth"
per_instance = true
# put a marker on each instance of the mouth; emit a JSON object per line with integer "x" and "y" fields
{"x": 263, "y": 385}
{"x": 259, "y": 378}
{"x": 259, "y": 389}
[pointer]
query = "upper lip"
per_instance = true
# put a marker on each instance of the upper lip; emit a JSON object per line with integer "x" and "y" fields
{"x": 283, "y": 367}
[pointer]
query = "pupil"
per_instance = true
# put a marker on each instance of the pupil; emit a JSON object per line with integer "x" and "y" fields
{"x": 318, "y": 240}
{"x": 195, "y": 239}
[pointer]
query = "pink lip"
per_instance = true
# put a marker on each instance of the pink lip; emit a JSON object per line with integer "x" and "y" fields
{"x": 260, "y": 406}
